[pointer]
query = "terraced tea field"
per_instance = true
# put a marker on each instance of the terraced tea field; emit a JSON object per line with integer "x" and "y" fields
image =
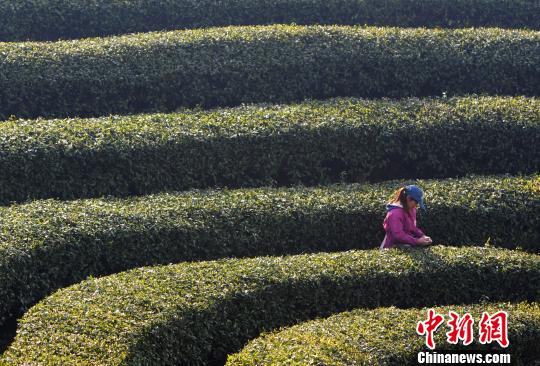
{"x": 204, "y": 182}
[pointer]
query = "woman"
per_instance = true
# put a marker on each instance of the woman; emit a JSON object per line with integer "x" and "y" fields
{"x": 400, "y": 220}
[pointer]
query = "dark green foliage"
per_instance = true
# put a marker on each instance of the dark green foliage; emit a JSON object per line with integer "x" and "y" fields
{"x": 387, "y": 336}
{"x": 277, "y": 63}
{"x": 197, "y": 313}
{"x": 316, "y": 142}
{"x": 54, "y": 19}
{"x": 46, "y": 245}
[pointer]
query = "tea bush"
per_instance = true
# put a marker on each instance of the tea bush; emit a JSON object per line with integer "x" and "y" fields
{"x": 276, "y": 63}
{"x": 387, "y": 336}
{"x": 197, "y": 313}
{"x": 51, "y": 20}
{"x": 315, "y": 142}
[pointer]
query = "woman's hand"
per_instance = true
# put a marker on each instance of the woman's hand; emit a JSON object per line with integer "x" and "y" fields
{"x": 424, "y": 240}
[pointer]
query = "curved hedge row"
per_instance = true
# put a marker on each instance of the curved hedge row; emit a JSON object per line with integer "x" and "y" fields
{"x": 387, "y": 336}
{"x": 46, "y": 245}
{"x": 278, "y": 63}
{"x": 316, "y": 142}
{"x": 51, "y": 20}
{"x": 197, "y": 313}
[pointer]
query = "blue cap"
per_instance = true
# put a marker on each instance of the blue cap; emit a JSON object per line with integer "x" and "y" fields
{"x": 416, "y": 193}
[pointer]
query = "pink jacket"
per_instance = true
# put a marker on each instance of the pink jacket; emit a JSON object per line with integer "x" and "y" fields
{"x": 400, "y": 227}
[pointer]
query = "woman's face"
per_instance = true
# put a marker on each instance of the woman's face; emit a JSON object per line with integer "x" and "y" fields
{"x": 411, "y": 203}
